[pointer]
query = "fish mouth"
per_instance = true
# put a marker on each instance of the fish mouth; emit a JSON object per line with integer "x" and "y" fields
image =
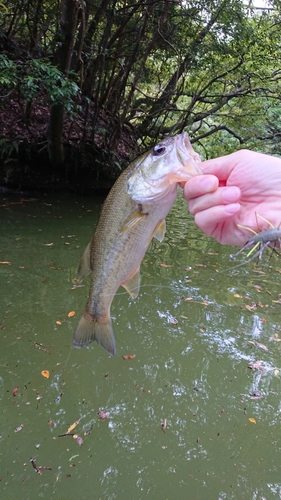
{"x": 184, "y": 165}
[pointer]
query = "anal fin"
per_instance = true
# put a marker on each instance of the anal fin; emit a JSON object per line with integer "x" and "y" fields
{"x": 85, "y": 263}
{"x": 132, "y": 285}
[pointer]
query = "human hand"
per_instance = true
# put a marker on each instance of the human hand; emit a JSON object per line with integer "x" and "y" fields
{"x": 234, "y": 190}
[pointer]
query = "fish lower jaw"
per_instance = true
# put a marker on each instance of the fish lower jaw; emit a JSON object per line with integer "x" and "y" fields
{"x": 164, "y": 193}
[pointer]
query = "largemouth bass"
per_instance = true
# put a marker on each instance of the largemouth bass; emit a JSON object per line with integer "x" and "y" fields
{"x": 133, "y": 213}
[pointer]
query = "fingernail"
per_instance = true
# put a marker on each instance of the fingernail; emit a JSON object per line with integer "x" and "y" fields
{"x": 231, "y": 194}
{"x": 207, "y": 184}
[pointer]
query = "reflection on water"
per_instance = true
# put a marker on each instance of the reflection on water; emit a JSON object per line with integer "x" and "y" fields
{"x": 197, "y": 326}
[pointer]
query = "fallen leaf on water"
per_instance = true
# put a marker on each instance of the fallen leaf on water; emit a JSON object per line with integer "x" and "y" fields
{"x": 258, "y": 344}
{"x": 40, "y": 468}
{"x": 200, "y": 265}
{"x": 257, "y": 365}
{"x": 262, "y": 346}
{"x": 165, "y": 265}
{"x": 58, "y": 322}
{"x": 5, "y": 262}
{"x": 48, "y": 244}
{"x": 70, "y": 314}
{"x": 187, "y": 299}
{"x": 128, "y": 356}
{"x": 19, "y": 428}
{"x": 103, "y": 415}
{"x": 45, "y": 373}
{"x": 15, "y": 390}
{"x": 252, "y": 307}
{"x": 164, "y": 424}
{"x": 73, "y": 426}
{"x": 252, "y": 420}
{"x": 237, "y": 296}
{"x": 276, "y": 372}
{"x": 78, "y": 439}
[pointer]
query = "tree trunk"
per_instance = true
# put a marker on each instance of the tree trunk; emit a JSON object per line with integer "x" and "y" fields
{"x": 68, "y": 25}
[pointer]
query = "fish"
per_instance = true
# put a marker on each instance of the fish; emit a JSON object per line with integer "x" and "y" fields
{"x": 133, "y": 213}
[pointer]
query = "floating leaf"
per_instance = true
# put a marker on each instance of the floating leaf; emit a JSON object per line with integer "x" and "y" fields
{"x": 15, "y": 390}
{"x": 257, "y": 365}
{"x": 164, "y": 424}
{"x": 73, "y": 426}
{"x": 58, "y": 322}
{"x": 258, "y": 344}
{"x": 262, "y": 346}
{"x": 128, "y": 356}
{"x": 70, "y": 314}
{"x": 252, "y": 420}
{"x": 19, "y": 428}
{"x": 276, "y": 372}
{"x": 45, "y": 373}
{"x": 78, "y": 439}
{"x": 253, "y": 307}
{"x": 5, "y": 262}
{"x": 48, "y": 244}
{"x": 103, "y": 415}
{"x": 165, "y": 265}
{"x": 237, "y": 296}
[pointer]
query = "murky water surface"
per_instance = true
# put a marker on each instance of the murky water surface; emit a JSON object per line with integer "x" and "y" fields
{"x": 197, "y": 326}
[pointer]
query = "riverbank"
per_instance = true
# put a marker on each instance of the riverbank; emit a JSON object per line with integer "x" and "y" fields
{"x": 88, "y": 167}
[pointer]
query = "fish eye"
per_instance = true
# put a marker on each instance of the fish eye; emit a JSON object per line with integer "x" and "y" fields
{"x": 158, "y": 150}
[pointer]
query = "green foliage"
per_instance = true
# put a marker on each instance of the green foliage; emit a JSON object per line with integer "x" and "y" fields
{"x": 211, "y": 67}
{"x": 8, "y": 72}
{"x": 37, "y": 75}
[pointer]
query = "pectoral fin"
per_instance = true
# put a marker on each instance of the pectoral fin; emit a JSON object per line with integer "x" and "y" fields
{"x": 85, "y": 263}
{"x": 133, "y": 284}
{"x": 133, "y": 218}
{"x": 160, "y": 231}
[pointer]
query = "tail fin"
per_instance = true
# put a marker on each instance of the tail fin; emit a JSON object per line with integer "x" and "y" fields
{"x": 89, "y": 330}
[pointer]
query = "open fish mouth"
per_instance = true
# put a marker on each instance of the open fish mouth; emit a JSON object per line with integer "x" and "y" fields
{"x": 157, "y": 174}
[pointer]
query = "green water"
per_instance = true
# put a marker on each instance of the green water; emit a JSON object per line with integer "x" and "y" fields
{"x": 196, "y": 326}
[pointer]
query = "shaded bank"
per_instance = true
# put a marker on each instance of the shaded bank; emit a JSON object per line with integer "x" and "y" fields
{"x": 88, "y": 166}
